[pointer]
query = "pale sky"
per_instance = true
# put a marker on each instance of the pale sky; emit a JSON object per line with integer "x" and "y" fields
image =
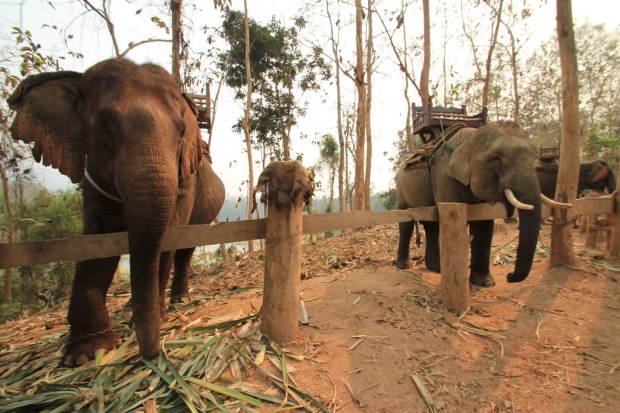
{"x": 388, "y": 102}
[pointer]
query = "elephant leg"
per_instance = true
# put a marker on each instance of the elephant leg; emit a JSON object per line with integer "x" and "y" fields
{"x": 179, "y": 292}
{"x": 90, "y": 324}
{"x": 165, "y": 266}
{"x": 405, "y": 230}
{"x": 482, "y": 235}
{"x": 431, "y": 254}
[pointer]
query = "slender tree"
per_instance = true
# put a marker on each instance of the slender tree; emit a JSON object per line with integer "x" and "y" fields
{"x": 176, "y": 7}
{"x": 492, "y": 42}
{"x": 361, "y": 109}
{"x": 568, "y": 174}
{"x": 246, "y": 114}
{"x": 426, "y": 65}
{"x": 335, "y": 43}
{"x": 329, "y": 161}
{"x": 368, "y": 105}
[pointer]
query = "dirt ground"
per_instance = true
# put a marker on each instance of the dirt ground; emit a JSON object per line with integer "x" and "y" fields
{"x": 377, "y": 337}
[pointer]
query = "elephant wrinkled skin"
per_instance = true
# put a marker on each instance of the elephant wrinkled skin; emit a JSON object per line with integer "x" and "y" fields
{"x": 475, "y": 166}
{"x": 128, "y": 134}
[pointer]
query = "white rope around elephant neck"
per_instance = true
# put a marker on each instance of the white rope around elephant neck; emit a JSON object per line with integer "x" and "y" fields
{"x": 100, "y": 189}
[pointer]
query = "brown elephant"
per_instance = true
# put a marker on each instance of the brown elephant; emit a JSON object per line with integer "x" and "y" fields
{"x": 128, "y": 134}
{"x": 494, "y": 163}
{"x": 593, "y": 175}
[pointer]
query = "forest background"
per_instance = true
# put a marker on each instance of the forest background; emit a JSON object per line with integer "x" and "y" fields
{"x": 502, "y": 54}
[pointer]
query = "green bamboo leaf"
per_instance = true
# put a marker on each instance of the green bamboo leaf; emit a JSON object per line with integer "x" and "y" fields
{"x": 226, "y": 391}
{"x": 169, "y": 380}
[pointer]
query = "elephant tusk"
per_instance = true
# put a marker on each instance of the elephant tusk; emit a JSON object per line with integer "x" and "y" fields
{"x": 554, "y": 204}
{"x": 515, "y": 202}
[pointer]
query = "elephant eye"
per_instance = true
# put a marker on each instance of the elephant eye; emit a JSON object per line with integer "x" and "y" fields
{"x": 105, "y": 126}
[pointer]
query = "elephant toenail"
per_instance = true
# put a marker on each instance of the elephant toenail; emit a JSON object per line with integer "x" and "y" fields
{"x": 68, "y": 361}
{"x": 82, "y": 358}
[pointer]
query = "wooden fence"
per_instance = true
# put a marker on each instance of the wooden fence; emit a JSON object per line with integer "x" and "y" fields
{"x": 454, "y": 217}
{"x": 85, "y": 247}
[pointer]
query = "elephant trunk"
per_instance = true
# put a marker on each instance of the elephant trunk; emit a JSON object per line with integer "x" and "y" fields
{"x": 527, "y": 190}
{"x": 611, "y": 182}
{"x": 149, "y": 190}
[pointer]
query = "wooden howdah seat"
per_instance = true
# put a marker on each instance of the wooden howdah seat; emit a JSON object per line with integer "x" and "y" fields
{"x": 548, "y": 156}
{"x": 203, "y": 107}
{"x": 436, "y": 125}
{"x": 429, "y": 122}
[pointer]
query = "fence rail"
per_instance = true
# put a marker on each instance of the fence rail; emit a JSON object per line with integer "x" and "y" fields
{"x": 85, "y": 247}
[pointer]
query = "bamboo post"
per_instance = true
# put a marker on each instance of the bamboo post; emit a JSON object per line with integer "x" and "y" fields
{"x": 454, "y": 247}
{"x": 286, "y": 185}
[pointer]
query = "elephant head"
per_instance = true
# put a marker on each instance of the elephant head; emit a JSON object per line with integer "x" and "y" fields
{"x": 496, "y": 162}
{"x": 597, "y": 176}
{"x": 128, "y": 129}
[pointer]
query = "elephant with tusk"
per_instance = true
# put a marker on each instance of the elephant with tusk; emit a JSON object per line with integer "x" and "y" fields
{"x": 494, "y": 163}
{"x": 147, "y": 170}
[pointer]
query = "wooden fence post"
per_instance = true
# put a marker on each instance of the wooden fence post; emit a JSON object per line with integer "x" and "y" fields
{"x": 286, "y": 185}
{"x": 454, "y": 250}
{"x": 614, "y": 250}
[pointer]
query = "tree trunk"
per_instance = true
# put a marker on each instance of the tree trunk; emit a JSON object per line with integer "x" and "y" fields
{"x": 175, "y": 8}
{"x": 341, "y": 189}
{"x": 566, "y": 190}
{"x": 487, "y": 75}
{"x": 8, "y": 272}
{"x": 426, "y": 65}
{"x": 225, "y": 256}
{"x": 246, "y": 116}
{"x": 369, "y": 53}
{"x": 361, "y": 110}
{"x": 515, "y": 77}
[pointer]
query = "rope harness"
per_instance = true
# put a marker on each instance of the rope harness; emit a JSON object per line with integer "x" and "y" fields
{"x": 424, "y": 155}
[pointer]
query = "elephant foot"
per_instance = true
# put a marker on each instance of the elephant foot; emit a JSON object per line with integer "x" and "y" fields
{"x": 482, "y": 280}
{"x": 403, "y": 264}
{"x": 82, "y": 348}
{"x": 182, "y": 298}
{"x": 432, "y": 266}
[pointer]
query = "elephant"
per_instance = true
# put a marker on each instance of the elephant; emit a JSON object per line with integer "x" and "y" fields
{"x": 493, "y": 163}
{"x": 130, "y": 137}
{"x": 595, "y": 175}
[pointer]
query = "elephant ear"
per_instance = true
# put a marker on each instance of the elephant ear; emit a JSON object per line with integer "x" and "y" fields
{"x": 191, "y": 145}
{"x": 600, "y": 172}
{"x": 47, "y": 107}
{"x": 458, "y": 167}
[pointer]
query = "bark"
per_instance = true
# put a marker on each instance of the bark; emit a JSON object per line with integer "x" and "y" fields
{"x": 487, "y": 75}
{"x": 246, "y": 117}
{"x": 175, "y": 8}
{"x": 8, "y": 272}
{"x": 426, "y": 65}
{"x": 409, "y": 119}
{"x": 561, "y": 231}
{"x": 361, "y": 110}
{"x": 369, "y": 54}
{"x": 341, "y": 143}
{"x": 225, "y": 256}
{"x": 515, "y": 77}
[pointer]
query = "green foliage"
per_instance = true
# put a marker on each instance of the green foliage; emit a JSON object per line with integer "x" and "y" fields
{"x": 598, "y": 57}
{"x": 46, "y": 215}
{"x": 389, "y": 199}
{"x": 51, "y": 215}
{"x": 280, "y": 72}
{"x": 329, "y": 159}
{"x": 603, "y": 143}
{"x": 10, "y": 311}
